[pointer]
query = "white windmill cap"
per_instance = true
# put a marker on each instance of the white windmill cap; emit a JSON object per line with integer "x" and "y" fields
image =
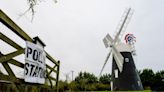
{"x": 122, "y": 47}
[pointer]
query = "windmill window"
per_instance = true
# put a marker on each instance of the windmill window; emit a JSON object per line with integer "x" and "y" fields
{"x": 126, "y": 59}
{"x": 138, "y": 83}
{"x": 116, "y": 73}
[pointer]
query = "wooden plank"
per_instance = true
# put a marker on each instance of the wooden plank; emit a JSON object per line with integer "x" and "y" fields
{"x": 51, "y": 78}
{"x": 13, "y": 26}
{"x": 11, "y": 55}
{"x": 50, "y": 82}
{"x": 9, "y": 41}
{"x": 51, "y": 69}
{"x": 15, "y": 62}
{"x": 51, "y": 59}
{"x": 8, "y": 69}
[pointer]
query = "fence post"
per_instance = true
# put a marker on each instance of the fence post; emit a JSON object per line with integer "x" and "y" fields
{"x": 57, "y": 76}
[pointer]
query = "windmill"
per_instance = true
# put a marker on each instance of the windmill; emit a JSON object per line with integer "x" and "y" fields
{"x": 124, "y": 73}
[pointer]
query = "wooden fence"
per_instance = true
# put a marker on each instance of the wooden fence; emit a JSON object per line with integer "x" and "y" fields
{"x": 9, "y": 82}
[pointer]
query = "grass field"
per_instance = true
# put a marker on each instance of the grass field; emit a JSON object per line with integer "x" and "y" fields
{"x": 118, "y": 91}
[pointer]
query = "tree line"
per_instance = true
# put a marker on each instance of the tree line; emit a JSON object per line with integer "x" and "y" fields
{"x": 86, "y": 81}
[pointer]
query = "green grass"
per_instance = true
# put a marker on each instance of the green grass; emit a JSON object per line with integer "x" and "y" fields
{"x": 112, "y": 91}
{"x": 122, "y": 91}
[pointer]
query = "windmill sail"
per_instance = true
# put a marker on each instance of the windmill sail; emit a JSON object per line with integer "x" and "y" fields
{"x": 107, "y": 40}
{"x": 118, "y": 58}
{"x": 122, "y": 26}
{"x": 105, "y": 62}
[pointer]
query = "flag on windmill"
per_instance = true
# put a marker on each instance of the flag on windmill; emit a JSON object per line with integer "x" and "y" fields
{"x": 130, "y": 39}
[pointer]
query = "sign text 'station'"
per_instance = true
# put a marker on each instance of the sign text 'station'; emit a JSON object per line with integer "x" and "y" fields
{"x": 35, "y": 68}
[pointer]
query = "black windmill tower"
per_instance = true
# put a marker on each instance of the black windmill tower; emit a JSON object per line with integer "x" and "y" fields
{"x": 124, "y": 73}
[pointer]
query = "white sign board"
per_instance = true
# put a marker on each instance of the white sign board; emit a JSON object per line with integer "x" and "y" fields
{"x": 35, "y": 67}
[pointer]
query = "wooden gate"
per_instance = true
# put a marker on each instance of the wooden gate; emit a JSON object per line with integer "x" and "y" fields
{"x": 9, "y": 82}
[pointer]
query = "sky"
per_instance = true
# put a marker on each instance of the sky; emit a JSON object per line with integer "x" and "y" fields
{"x": 73, "y": 31}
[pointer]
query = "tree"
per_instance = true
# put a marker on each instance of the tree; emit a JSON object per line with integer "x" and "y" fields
{"x": 158, "y": 82}
{"x": 85, "y": 81}
{"x": 151, "y": 80}
{"x": 147, "y": 77}
{"x": 73, "y": 86}
{"x": 103, "y": 87}
{"x": 105, "y": 79}
{"x": 87, "y": 77}
{"x": 62, "y": 86}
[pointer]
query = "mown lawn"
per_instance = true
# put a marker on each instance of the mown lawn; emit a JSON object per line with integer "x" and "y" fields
{"x": 121, "y": 91}
{"x": 114, "y": 91}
